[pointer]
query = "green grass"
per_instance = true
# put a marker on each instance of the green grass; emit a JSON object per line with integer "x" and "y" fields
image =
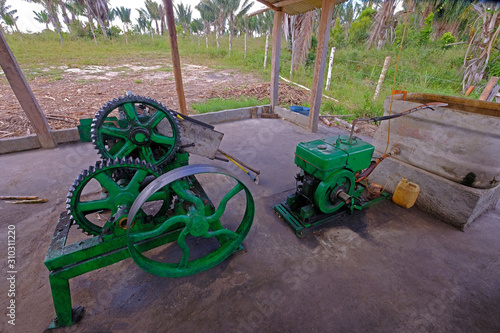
{"x": 427, "y": 69}
{"x": 219, "y": 104}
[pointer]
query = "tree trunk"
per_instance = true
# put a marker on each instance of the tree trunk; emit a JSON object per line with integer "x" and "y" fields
{"x": 478, "y": 53}
{"x": 245, "y": 45}
{"x": 231, "y": 28}
{"x": 162, "y": 18}
{"x": 301, "y": 42}
{"x": 64, "y": 14}
{"x": 92, "y": 29}
{"x": 379, "y": 34}
{"x": 125, "y": 33}
{"x": 217, "y": 38}
{"x": 56, "y": 26}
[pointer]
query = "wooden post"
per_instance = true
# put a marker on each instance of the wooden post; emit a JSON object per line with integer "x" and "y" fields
{"x": 275, "y": 60}
{"x": 24, "y": 95}
{"x": 382, "y": 76}
{"x": 488, "y": 89}
{"x": 319, "y": 65}
{"x": 330, "y": 67}
{"x": 176, "y": 61}
{"x": 265, "y": 52}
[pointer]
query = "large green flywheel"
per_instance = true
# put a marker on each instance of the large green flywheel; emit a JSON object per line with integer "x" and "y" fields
{"x": 199, "y": 220}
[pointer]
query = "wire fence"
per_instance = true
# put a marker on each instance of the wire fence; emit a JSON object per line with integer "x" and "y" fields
{"x": 364, "y": 71}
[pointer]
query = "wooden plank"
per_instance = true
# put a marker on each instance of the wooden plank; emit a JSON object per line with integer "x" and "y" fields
{"x": 259, "y": 12}
{"x": 267, "y": 3}
{"x": 176, "y": 61}
{"x": 319, "y": 65}
{"x": 489, "y": 87}
{"x": 275, "y": 60}
{"x": 24, "y": 95}
{"x": 285, "y": 2}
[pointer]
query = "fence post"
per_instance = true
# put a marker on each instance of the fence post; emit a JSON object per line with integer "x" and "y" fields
{"x": 382, "y": 76}
{"x": 265, "y": 53}
{"x": 330, "y": 66}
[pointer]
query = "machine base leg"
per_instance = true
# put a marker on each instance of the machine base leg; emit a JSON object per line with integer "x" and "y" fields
{"x": 77, "y": 314}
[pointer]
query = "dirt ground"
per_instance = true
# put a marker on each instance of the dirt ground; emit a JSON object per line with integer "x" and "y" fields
{"x": 76, "y": 93}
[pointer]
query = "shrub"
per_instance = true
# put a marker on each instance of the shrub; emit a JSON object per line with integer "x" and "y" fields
{"x": 426, "y": 30}
{"x": 445, "y": 39}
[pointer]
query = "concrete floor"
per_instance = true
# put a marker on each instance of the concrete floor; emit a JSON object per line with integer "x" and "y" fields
{"x": 387, "y": 270}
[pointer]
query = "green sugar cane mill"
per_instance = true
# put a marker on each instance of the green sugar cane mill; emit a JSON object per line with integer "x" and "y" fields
{"x": 143, "y": 195}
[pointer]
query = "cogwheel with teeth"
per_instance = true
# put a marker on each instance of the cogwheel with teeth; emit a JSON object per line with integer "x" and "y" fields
{"x": 98, "y": 194}
{"x": 138, "y": 127}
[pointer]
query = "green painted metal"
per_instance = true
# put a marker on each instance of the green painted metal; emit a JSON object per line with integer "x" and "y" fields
{"x": 199, "y": 220}
{"x": 84, "y": 130}
{"x": 326, "y": 186}
{"x": 193, "y": 214}
{"x": 321, "y": 157}
{"x": 101, "y": 203}
{"x": 302, "y": 228}
{"x": 135, "y": 133}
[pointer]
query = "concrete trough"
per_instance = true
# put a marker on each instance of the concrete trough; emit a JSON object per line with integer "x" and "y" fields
{"x": 452, "y": 152}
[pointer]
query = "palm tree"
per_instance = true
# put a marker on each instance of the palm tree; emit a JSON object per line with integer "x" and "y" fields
{"x": 66, "y": 20}
{"x": 208, "y": 12}
{"x": 124, "y": 15}
{"x": 75, "y": 8}
{"x": 163, "y": 23}
{"x": 347, "y": 13}
{"x": 451, "y": 15}
{"x": 51, "y": 9}
{"x": 154, "y": 12}
{"x": 145, "y": 22}
{"x": 301, "y": 41}
{"x": 42, "y": 17}
{"x": 100, "y": 11}
{"x": 221, "y": 18}
{"x": 8, "y": 15}
{"x": 183, "y": 15}
{"x": 6, "y": 12}
{"x": 196, "y": 26}
{"x": 231, "y": 7}
{"x": 379, "y": 31}
{"x": 487, "y": 30}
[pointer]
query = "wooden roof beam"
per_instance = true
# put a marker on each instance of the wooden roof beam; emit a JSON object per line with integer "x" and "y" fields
{"x": 259, "y": 12}
{"x": 285, "y": 3}
{"x": 268, "y": 4}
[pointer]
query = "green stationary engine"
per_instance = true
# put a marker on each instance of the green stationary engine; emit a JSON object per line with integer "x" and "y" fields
{"x": 144, "y": 194}
{"x": 329, "y": 182}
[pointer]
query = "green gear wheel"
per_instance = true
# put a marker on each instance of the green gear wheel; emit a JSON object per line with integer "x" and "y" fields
{"x": 86, "y": 202}
{"x": 130, "y": 127}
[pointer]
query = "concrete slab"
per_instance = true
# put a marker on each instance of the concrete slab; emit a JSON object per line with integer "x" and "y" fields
{"x": 389, "y": 269}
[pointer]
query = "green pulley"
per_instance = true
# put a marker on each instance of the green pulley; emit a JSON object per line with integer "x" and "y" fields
{"x": 200, "y": 219}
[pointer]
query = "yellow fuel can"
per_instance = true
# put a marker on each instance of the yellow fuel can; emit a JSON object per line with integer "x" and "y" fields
{"x": 406, "y": 193}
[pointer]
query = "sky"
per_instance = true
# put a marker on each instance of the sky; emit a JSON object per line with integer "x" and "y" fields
{"x": 27, "y": 23}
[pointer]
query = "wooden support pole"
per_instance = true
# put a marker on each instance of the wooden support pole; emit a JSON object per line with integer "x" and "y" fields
{"x": 330, "y": 67}
{"x": 488, "y": 89}
{"x": 382, "y": 76}
{"x": 319, "y": 65}
{"x": 176, "y": 61}
{"x": 24, "y": 95}
{"x": 275, "y": 60}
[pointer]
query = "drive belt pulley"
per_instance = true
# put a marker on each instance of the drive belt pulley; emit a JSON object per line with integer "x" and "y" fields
{"x": 138, "y": 127}
{"x": 200, "y": 220}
